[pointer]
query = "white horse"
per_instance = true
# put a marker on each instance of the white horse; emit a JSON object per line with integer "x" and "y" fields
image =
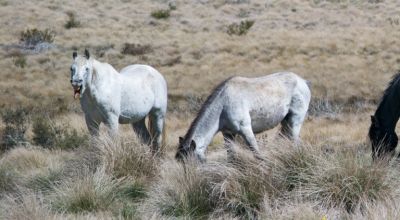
{"x": 246, "y": 106}
{"x": 120, "y": 98}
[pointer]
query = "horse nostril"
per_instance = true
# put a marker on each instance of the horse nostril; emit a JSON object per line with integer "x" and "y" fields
{"x": 80, "y": 81}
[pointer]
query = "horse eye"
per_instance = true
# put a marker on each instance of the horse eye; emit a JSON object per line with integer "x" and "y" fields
{"x": 87, "y": 69}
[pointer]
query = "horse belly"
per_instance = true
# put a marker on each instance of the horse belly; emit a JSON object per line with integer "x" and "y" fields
{"x": 262, "y": 121}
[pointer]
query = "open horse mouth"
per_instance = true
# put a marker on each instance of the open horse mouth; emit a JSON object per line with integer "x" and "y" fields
{"x": 77, "y": 91}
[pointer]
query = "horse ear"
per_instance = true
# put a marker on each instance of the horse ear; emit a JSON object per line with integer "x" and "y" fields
{"x": 74, "y": 55}
{"x": 192, "y": 145}
{"x": 87, "y": 55}
{"x": 180, "y": 140}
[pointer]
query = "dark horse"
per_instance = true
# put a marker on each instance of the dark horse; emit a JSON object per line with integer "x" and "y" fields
{"x": 383, "y": 123}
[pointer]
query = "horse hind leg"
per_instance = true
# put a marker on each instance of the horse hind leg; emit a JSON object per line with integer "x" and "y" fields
{"x": 156, "y": 127}
{"x": 140, "y": 129}
{"x": 291, "y": 126}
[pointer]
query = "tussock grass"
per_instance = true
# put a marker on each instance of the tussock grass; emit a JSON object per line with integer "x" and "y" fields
{"x": 91, "y": 192}
{"x": 24, "y": 160}
{"x": 347, "y": 180}
{"x": 25, "y": 205}
{"x": 242, "y": 187}
{"x": 185, "y": 193}
{"x": 127, "y": 157}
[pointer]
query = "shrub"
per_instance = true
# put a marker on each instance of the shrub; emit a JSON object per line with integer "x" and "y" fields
{"x": 20, "y": 61}
{"x": 161, "y": 14}
{"x": 72, "y": 22}
{"x": 135, "y": 49}
{"x": 16, "y": 124}
{"x": 48, "y": 134}
{"x": 241, "y": 28}
{"x": 32, "y": 37}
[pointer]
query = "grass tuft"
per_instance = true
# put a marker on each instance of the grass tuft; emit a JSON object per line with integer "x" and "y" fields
{"x": 89, "y": 193}
{"x": 161, "y": 14}
{"x": 240, "y": 29}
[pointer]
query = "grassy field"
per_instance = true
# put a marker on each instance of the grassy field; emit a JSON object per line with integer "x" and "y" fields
{"x": 348, "y": 49}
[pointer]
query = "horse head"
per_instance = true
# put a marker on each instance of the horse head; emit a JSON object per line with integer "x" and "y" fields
{"x": 383, "y": 140}
{"x": 185, "y": 149}
{"x": 81, "y": 72}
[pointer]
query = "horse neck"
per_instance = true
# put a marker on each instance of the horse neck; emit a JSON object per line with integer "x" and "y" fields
{"x": 101, "y": 75}
{"x": 205, "y": 125}
{"x": 388, "y": 111}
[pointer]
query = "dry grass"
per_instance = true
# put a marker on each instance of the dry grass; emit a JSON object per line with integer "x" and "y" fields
{"x": 347, "y": 49}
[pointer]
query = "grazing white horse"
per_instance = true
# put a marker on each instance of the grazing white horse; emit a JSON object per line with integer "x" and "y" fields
{"x": 126, "y": 97}
{"x": 246, "y": 106}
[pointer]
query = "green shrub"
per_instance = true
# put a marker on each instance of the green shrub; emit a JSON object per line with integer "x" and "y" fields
{"x": 72, "y": 22}
{"x": 135, "y": 49}
{"x": 48, "y": 134}
{"x": 16, "y": 124}
{"x": 161, "y": 14}
{"x": 34, "y": 36}
{"x": 20, "y": 61}
{"x": 240, "y": 29}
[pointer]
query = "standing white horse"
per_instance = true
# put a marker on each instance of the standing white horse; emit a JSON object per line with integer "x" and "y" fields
{"x": 246, "y": 106}
{"x": 126, "y": 97}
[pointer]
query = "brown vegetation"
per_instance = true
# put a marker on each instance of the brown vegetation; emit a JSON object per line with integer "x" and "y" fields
{"x": 347, "y": 49}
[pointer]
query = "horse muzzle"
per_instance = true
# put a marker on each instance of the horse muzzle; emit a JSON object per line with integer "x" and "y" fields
{"x": 77, "y": 90}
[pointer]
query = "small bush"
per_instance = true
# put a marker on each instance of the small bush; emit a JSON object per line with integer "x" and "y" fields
{"x": 135, "y": 49}
{"x": 32, "y": 37}
{"x": 16, "y": 124}
{"x": 72, "y": 22}
{"x": 48, "y": 134}
{"x": 20, "y": 61}
{"x": 160, "y": 14}
{"x": 240, "y": 29}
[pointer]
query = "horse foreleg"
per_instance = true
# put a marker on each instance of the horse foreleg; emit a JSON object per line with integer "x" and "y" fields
{"x": 112, "y": 125}
{"x": 92, "y": 125}
{"x": 141, "y": 130}
{"x": 247, "y": 133}
{"x": 228, "y": 141}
